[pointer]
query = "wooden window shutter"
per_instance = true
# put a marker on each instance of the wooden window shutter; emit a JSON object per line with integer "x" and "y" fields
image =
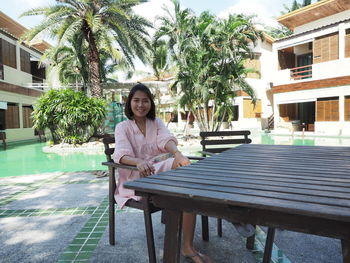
{"x": 8, "y": 54}
{"x": 249, "y": 111}
{"x": 334, "y": 47}
{"x": 334, "y": 110}
{"x": 253, "y": 64}
{"x": 25, "y": 61}
{"x": 12, "y": 117}
{"x": 27, "y": 119}
{"x": 317, "y": 51}
{"x": 347, "y": 46}
{"x": 247, "y": 108}
{"x": 320, "y": 106}
{"x": 327, "y": 109}
{"x": 347, "y": 108}
{"x": 326, "y": 48}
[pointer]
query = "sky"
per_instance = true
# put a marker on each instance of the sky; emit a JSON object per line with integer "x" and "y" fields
{"x": 266, "y": 10}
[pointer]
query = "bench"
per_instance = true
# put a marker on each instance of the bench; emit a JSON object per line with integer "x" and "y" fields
{"x": 226, "y": 140}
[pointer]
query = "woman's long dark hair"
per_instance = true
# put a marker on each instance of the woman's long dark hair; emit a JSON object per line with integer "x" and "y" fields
{"x": 140, "y": 87}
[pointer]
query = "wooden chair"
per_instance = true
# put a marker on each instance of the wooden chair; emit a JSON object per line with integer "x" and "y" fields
{"x": 210, "y": 142}
{"x": 144, "y": 204}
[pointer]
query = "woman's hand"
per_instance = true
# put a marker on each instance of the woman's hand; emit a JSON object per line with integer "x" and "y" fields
{"x": 145, "y": 168}
{"x": 181, "y": 160}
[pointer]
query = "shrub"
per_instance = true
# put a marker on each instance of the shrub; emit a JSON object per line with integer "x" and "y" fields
{"x": 72, "y": 117}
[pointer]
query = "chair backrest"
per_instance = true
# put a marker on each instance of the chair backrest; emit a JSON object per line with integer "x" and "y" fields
{"x": 107, "y": 142}
{"x": 219, "y": 138}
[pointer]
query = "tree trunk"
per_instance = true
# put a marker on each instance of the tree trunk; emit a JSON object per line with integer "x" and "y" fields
{"x": 94, "y": 61}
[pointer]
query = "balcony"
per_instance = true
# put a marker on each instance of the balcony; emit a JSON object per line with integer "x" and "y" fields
{"x": 298, "y": 73}
{"x": 318, "y": 71}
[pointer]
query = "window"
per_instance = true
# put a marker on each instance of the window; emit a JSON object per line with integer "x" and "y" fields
{"x": 326, "y": 48}
{"x": 347, "y": 108}
{"x": 12, "y": 116}
{"x": 8, "y": 53}
{"x": 25, "y": 61}
{"x": 27, "y": 119}
{"x": 327, "y": 109}
{"x": 253, "y": 63}
{"x": 347, "y": 43}
{"x": 1, "y": 63}
{"x": 288, "y": 112}
{"x": 2, "y": 120}
{"x": 251, "y": 111}
{"x": 235, "y": 113}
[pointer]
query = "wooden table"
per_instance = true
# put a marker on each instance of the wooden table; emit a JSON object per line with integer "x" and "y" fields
{"x": 297, "y": 188}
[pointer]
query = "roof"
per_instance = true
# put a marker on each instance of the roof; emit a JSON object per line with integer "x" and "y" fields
{"x": 269, "y": 39}
{"x": 16, "y": 30}
{"x": 164, "y": 77}
{"x": 313, "y": 12}
{"x": 312, "y": 31}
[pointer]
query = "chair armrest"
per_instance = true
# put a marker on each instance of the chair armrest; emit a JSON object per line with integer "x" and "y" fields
{"x": 116, "y": 165}
{"x": 195, "y": 157}
{"x": 206, "y": 153}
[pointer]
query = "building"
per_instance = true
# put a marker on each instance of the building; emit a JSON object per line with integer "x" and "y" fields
{"x": 311, "y": 80}
{"x": 248, "y": 115}
{"x": 21, "y": 79}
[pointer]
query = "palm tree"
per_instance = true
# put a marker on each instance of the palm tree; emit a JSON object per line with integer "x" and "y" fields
{"x": 69, "y": 60}
{"x": 159, "y": 57}
{"x": 209, "y": 54}
{"x": 97, "y": 21}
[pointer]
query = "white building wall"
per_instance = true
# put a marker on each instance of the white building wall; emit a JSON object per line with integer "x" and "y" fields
{"x": 16, "y": 77}
{"x": 323, "y": 128}
{"x": 21, "y": 133}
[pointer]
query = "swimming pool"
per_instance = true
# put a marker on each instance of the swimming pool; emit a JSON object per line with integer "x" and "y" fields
{"x": 28, "y": 158}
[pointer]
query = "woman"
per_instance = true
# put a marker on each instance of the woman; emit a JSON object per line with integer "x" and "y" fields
{"x": 142, "y": 140}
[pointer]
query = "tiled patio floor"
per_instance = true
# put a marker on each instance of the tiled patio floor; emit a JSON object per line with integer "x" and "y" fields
{"x": 63, "y": 217}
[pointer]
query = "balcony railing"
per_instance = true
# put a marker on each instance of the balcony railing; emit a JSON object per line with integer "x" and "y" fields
{"x": 303, "y": 72}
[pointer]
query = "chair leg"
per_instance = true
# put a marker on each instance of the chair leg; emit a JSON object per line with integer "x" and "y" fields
{"x": 268, "y": 245}
{"x": 111, "y": 207}
{"x": 111, "y": 224}
{"x": 149, "y": 232}
{"x": 250, "y": 241}
{"x": 162, "y": 219}
{"x": 205, "y": 228}
{"x": 219, "y": 226}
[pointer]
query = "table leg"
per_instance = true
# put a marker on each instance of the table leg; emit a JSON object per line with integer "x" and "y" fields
{"x": 345, "y": 245}
{"x": 268, "y": 245}
{"x": 172, "y": 239}
{"x": 250, "y": 241}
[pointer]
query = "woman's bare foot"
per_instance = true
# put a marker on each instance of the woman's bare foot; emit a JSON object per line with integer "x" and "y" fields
{"x": 197, "y": 257}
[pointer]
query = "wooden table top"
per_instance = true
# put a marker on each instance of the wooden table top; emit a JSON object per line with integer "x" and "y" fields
{"x": 303, "y": 180}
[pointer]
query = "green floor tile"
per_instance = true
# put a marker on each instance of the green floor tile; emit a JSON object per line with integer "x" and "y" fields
{"x": 78, "y": 241}
{"x": 84, "y": 255}
{"x": 92, "y": 241}
{"x": 68, "y": 256}
{"x": 88, "y": 247}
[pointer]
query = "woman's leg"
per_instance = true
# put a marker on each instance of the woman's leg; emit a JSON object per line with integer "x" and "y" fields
{"x": 188, "y": 227}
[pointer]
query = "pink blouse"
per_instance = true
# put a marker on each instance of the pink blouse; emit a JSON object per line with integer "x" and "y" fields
{"x": 130, "y": 141}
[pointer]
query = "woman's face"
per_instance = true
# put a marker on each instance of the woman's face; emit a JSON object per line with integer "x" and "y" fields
{"x": 140, "y": 104}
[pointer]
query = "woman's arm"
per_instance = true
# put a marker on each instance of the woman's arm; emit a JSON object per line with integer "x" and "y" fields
{"x": 145, "y": 168}
{"x": 180, "y": 159}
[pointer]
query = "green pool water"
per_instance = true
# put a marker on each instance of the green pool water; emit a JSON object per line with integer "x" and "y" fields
{"x": 28, "y": 158}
